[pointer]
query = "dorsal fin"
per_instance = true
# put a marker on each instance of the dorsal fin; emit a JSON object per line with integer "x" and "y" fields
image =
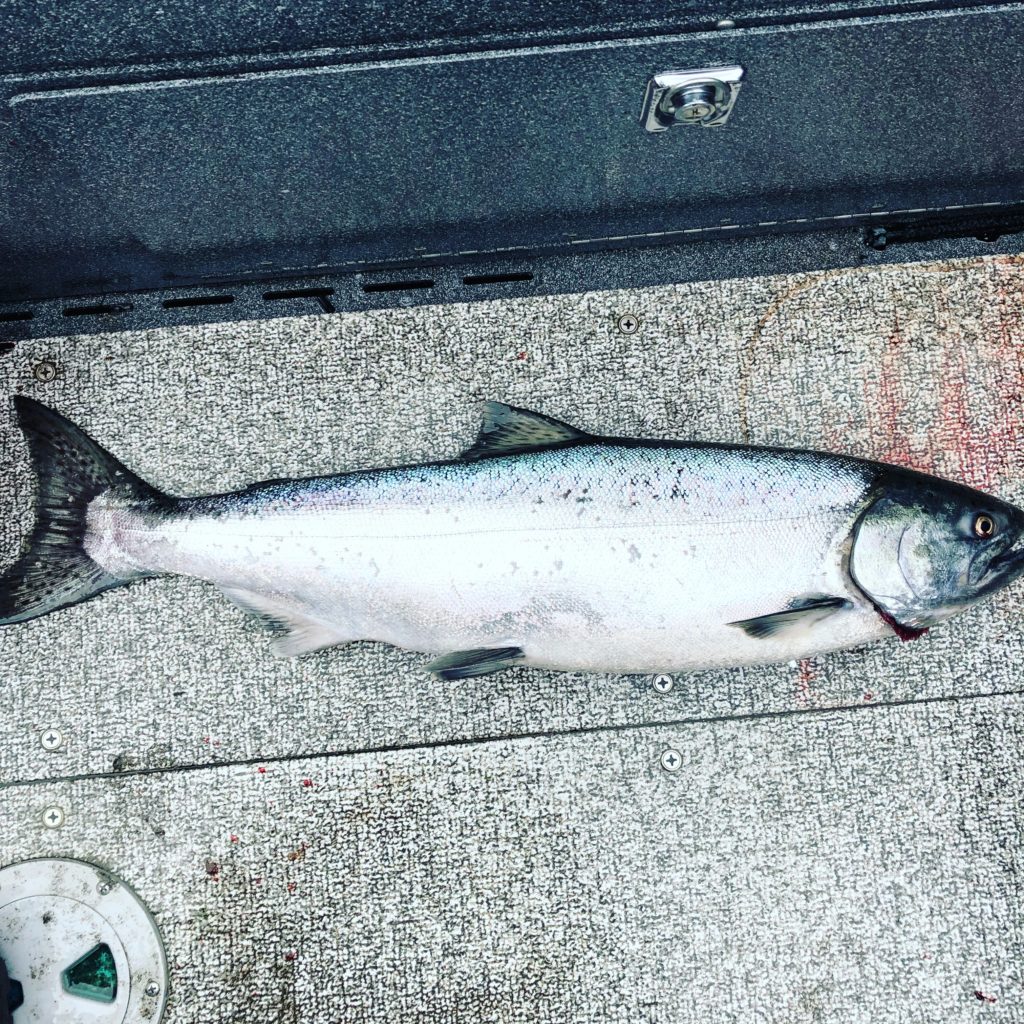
{"x": 507, "y": 430}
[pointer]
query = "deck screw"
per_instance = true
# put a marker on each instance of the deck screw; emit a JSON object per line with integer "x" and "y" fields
{"x": 671, "y": 760}
{"x": 628, "y": 323}
{"x": 662, "y": 684}
{"x": 51, "y": 739}
{"x": 104, "y": 888}
{"x": 53, "y": 817}
{"x": 152, "y": 990}
{"x": 44, "y": 371}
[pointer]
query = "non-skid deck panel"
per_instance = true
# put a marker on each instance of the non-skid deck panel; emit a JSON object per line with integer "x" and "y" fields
{"x": 856, "y": 867}
{"x": 918, "y": 364}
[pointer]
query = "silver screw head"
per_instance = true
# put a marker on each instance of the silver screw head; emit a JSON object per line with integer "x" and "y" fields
{"x": 152, "y": 990}
{"x": 53, "y": 817}
{"x": 671, "y": 760}
{"x": 662, "y": 684}
{"x": 692, "y": 103}
{"x": 51, "y": 739}
{"x": 104, "y": 888}
{"x": 44, "y": 371}
{"x": 628, "y": 323}
{"x": 695, "y": 111}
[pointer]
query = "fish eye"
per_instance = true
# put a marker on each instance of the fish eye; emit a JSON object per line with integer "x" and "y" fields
{"x": 984, "y": 526}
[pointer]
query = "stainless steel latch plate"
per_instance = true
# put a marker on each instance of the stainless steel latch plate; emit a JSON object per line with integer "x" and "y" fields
{"x": 702, "y": 98}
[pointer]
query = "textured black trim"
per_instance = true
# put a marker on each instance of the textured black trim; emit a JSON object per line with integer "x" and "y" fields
{"x": 709, "y": 259}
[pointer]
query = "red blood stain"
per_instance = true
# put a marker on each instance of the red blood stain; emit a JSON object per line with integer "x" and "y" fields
{"x": 982, "y": 998}
{"x": 521, "y": 355}
{"x": 806, "y": 674}
{"x": 307, "y": 783}
{"x": 206, "y": 739}
{"x": 869, "y": 695}
{"x": 974, "y": 435}
{"x": 291, "y": 886}
{"x": 234, "y": 839}
{"x": 955, "y": 431}
{"x": 262, "y": 770}
{"x": 258, "y": 881}
{"x": 289, "y": 957}
{"x": 889, "y": 404}
{"x": 905, "y": 633}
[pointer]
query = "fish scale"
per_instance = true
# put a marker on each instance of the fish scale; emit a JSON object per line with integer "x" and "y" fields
{"x": 579, "y": 556}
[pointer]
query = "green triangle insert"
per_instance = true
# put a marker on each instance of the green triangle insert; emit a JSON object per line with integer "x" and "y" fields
{"x": 93, "y": 976}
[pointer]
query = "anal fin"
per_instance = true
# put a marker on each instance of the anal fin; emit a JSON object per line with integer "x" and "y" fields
{"x": 298, "y": 633}
{"x": 479, "y": 661}
{"x": 802, "y": 615}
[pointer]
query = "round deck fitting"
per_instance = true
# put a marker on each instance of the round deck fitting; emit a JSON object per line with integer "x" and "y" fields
{"x": 81, "y": 944}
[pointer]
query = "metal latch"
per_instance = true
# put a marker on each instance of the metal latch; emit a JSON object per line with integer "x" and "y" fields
{"x": 703, "y": 98}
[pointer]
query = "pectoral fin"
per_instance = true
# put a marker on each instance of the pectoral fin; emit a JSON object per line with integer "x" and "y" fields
{"x": 808, "y": 612}
{"x": 477, "y": 662}
{"x": 296, "y": 633}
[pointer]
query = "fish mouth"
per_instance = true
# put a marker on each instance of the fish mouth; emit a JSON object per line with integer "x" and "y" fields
{"x": 1004, "y": 567}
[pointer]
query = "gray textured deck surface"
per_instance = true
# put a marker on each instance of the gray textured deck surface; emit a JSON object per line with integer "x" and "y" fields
{"x": 841, "y": 843}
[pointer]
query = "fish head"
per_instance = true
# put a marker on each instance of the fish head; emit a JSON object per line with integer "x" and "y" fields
{"x": 925, "y": 549}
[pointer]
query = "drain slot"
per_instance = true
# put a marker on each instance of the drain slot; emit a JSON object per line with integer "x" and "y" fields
{"x": 101, "y": 309}
{"x": 299, "y": 293}
{"x": 397, "y": 286}
{"x": 322, "y": 296}
{"x": 198, "y": 300}
{"x": 472, "y": 279}
{"x": 18, "y": 314}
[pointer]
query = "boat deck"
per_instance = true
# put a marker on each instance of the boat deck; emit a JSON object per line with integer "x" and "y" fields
{"x": 343, "y": 838}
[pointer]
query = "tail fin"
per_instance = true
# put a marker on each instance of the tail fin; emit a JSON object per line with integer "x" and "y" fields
{"x": 71, "y": 470}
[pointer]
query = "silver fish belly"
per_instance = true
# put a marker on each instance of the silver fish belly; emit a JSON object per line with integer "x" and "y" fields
{"x": 541, "y": 545}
